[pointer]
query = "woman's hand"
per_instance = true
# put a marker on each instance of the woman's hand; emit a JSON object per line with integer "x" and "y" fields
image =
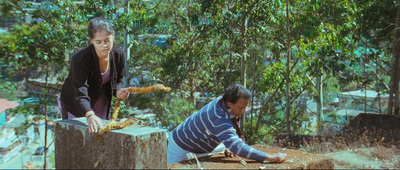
{"x": 93, "y": 122}
{"x": 122, "y": 94}
{"x": 278, "y": 158}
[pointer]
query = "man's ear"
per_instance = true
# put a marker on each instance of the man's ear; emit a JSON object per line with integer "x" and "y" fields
{"x": 229, "y": 104}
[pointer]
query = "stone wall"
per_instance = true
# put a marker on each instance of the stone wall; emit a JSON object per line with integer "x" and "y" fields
{"x": 373, "y": 128}
{"x": 133, "y": 147}
{"x": 363, "y": 129}
{"x": 296, "y": 141}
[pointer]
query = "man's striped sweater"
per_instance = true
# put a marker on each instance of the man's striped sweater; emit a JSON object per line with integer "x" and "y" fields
{"x": 204, "y": 130}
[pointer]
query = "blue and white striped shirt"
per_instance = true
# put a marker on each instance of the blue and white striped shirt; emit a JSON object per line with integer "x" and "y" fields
{"x": 204, "y": 130}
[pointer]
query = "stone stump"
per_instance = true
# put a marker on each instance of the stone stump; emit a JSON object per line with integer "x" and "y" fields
{"x": 134, "y": 147}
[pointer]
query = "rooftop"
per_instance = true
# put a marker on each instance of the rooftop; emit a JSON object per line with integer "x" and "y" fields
{"x": 362, "y": 93}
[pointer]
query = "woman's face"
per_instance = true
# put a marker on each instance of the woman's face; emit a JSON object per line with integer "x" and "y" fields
{"x": 103, "y": 42}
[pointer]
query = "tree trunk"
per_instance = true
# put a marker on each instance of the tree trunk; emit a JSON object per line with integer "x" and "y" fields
{"x": 45, "y": 117}
{"x": 192, "y": 79}
{"x": 365, "y": 79}
{"x": 192, "y": 65}
{"x": 378, "y": 88}
{"x": 320, "y": 112}
{"x": 243, "y": 62}
{"x": 252, "y": 99}
{"x": 288, "y": 69}
{"x": 393, "y": 108}
{"x": 230, "y": 70}
{"x": 126, "y": 49}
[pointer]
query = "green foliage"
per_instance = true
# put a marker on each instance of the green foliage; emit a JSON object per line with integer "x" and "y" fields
{"x": 172, "y": 110}
{"x": 331, "y": 89}
{"x": 123, "y": 111}
{"x": 8, "y": 6}
{"x": 8, "y": 90}
{"x": 23, "y": 128}
{"x": 264, "y": 134}
{"x": 28, "y": 109}
{"x": 207, "y": 40}
{"x": 142, "y": 101}
{"x": 333, "y": 118}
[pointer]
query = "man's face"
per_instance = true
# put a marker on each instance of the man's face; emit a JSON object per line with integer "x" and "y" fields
{"x": 239, "y": 108}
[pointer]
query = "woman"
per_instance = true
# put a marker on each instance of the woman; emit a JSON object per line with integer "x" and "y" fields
{"x": 95, "y": 75}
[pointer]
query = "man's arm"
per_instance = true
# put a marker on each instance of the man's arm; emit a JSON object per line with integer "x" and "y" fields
{"x": 228, "y": 136}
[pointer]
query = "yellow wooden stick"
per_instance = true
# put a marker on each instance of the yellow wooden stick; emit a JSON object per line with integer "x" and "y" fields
{"x": 138, "y": 90}
{"x": 114, "y": 125}
{"x": 116, "y": 110}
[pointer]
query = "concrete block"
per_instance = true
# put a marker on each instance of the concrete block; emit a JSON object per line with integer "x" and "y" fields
{"x": 134, "y": 147}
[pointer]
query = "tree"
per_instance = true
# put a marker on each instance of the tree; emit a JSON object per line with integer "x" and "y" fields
{"x": 394, "y": 85}
{"x": 213, "y": 44}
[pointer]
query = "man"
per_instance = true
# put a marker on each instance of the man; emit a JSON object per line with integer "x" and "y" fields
{"x": 214, "y": 128}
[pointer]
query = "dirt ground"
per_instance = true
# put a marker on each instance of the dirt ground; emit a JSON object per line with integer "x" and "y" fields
{"x": 369, "y": 141}
{"x": 360, "y": 158}
{"x": 295, "y": 160}
{"x": 379, "y": 157}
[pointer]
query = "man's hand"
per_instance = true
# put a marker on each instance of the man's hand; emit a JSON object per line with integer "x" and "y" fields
{"x": 122, "y": 94}
{"x": 278, "y": 158}
{"x": 228, "y": 153}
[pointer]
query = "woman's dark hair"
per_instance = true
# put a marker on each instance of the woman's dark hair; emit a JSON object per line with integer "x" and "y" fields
{"x": 235, "y": 92}
{"x": 99, "y": 24}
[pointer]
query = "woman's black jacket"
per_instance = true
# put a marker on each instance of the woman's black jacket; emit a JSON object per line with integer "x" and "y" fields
{"x": 83, "y": 84}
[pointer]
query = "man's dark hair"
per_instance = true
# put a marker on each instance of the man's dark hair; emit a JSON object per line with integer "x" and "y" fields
{"x": 235, "y": 92}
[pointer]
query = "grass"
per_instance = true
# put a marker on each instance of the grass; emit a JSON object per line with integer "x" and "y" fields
{"x": 51, "y": 161}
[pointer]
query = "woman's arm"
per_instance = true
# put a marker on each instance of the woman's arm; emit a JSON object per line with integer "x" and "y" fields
{"x": 81, "y": 69}
{"x": 120, "y": 68}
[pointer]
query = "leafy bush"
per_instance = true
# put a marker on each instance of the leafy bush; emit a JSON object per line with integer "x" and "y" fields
{"x": 173, "y": 110}
{"x": 263, "y": 135}
{"x": 123, "y": 110}
{"x": 142, "y": 101}
{"x": 9, "y": 90}
{"x": 331, "y": 89}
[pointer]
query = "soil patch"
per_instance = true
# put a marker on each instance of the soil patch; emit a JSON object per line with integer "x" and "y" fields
{"x": 368, "y": 141}
{"x": 295, "y": 160}
{"x": 366, "y": 158}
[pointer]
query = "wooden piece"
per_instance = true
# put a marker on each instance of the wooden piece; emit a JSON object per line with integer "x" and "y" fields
{"x": 117, "y": 125}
